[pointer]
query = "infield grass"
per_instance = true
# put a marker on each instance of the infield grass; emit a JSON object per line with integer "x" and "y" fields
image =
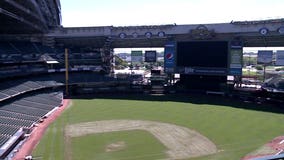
{"x": 235, "y": 127}
{"x": 136, "y": 144}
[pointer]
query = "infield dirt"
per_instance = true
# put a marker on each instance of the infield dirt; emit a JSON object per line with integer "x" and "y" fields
{"x": 181, "y": 142}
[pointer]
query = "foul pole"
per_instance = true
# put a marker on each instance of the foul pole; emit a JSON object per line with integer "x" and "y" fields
{"x": 66, "y": 72}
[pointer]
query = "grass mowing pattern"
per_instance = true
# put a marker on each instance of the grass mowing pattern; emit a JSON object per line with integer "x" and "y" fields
{"x": 136, "y": 147}
{"x": 53, "y": 140}
{"x": 236, "y": 128}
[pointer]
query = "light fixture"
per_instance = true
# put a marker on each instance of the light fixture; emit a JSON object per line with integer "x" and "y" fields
{"x": 161, "y": 34}
{"x": 148, "y": 34}
{"x": 122, "y": 35}
{"x": 263, "y": 31}
{"x": 281, "y": 30}
{"x": 135, "y": 35}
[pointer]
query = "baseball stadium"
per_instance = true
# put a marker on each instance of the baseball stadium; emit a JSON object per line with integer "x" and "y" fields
{"x": 62, "y": 98}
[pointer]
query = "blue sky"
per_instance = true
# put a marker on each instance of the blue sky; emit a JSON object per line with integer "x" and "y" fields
{"x": 155, "y": 12}
{"x": 78, "y": 13}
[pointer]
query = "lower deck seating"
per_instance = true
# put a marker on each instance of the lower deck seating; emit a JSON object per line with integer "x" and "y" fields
{"x": 25, "y": 112}
{"x": 13, "y": 88}
{"x": 4, "y": 113}
{"x": 3, "y": 139}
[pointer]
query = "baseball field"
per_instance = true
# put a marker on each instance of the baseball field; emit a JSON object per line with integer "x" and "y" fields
{"x": 144, "y": 127}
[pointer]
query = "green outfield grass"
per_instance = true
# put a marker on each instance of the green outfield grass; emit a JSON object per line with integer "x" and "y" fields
{"x": 235, "y": 127}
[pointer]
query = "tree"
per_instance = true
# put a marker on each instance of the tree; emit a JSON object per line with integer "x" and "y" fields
{"x": 120, "y": 63}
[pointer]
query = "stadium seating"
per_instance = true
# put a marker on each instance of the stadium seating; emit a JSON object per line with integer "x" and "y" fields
{"x": 3, "y": 139}
{"x": 4, "y": 113}
{"x": 7, "y": 48}
{"x": 13, "y": 88}
{"x": 3, "y": 95}
{"x": 22, "y": 57}
{"x": 19, "y": 58}
{"x": 14, "y": 122}
{"x": 25, "y": 112}
{"x": 8, "y": 130}
{"x": 18, "y": 51}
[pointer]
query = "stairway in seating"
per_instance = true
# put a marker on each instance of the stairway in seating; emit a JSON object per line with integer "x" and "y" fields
{"x": 157, "y": 89}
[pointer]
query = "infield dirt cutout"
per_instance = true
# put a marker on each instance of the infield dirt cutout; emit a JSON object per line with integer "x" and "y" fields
{"x": 181, "y": 142}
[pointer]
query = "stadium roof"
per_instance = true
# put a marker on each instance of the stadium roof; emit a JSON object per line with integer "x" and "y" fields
{"x": 26, "y": 16}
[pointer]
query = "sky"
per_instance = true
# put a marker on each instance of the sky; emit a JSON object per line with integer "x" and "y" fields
{"x": 79, "y": 13}
{"x": 154, "y": 12}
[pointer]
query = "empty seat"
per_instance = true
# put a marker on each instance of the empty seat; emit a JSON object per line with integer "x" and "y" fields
{"x": 3, "y": 139}
{"x": 7, "y": 130}
{"x": 15, "y": 122}
{"x": 18, "y": 115}
{"x": 24, "y": 102}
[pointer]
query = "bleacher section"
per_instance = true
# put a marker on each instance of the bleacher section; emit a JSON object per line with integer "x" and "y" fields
{"x": 22, "y": 114}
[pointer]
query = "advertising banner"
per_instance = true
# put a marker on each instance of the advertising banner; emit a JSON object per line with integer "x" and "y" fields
{"x": 150, "y": 56}
{"x": 264, "y": 57}
{"x": 205, "y": 71}
{"x": 236, "y": 62}
{"x": 279, "y": 58}
{"x": 136, "y": 56}
{"x": 169, "y": 57}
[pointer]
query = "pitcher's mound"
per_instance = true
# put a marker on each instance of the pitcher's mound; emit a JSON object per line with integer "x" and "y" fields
{"x": 117, "y": 146}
